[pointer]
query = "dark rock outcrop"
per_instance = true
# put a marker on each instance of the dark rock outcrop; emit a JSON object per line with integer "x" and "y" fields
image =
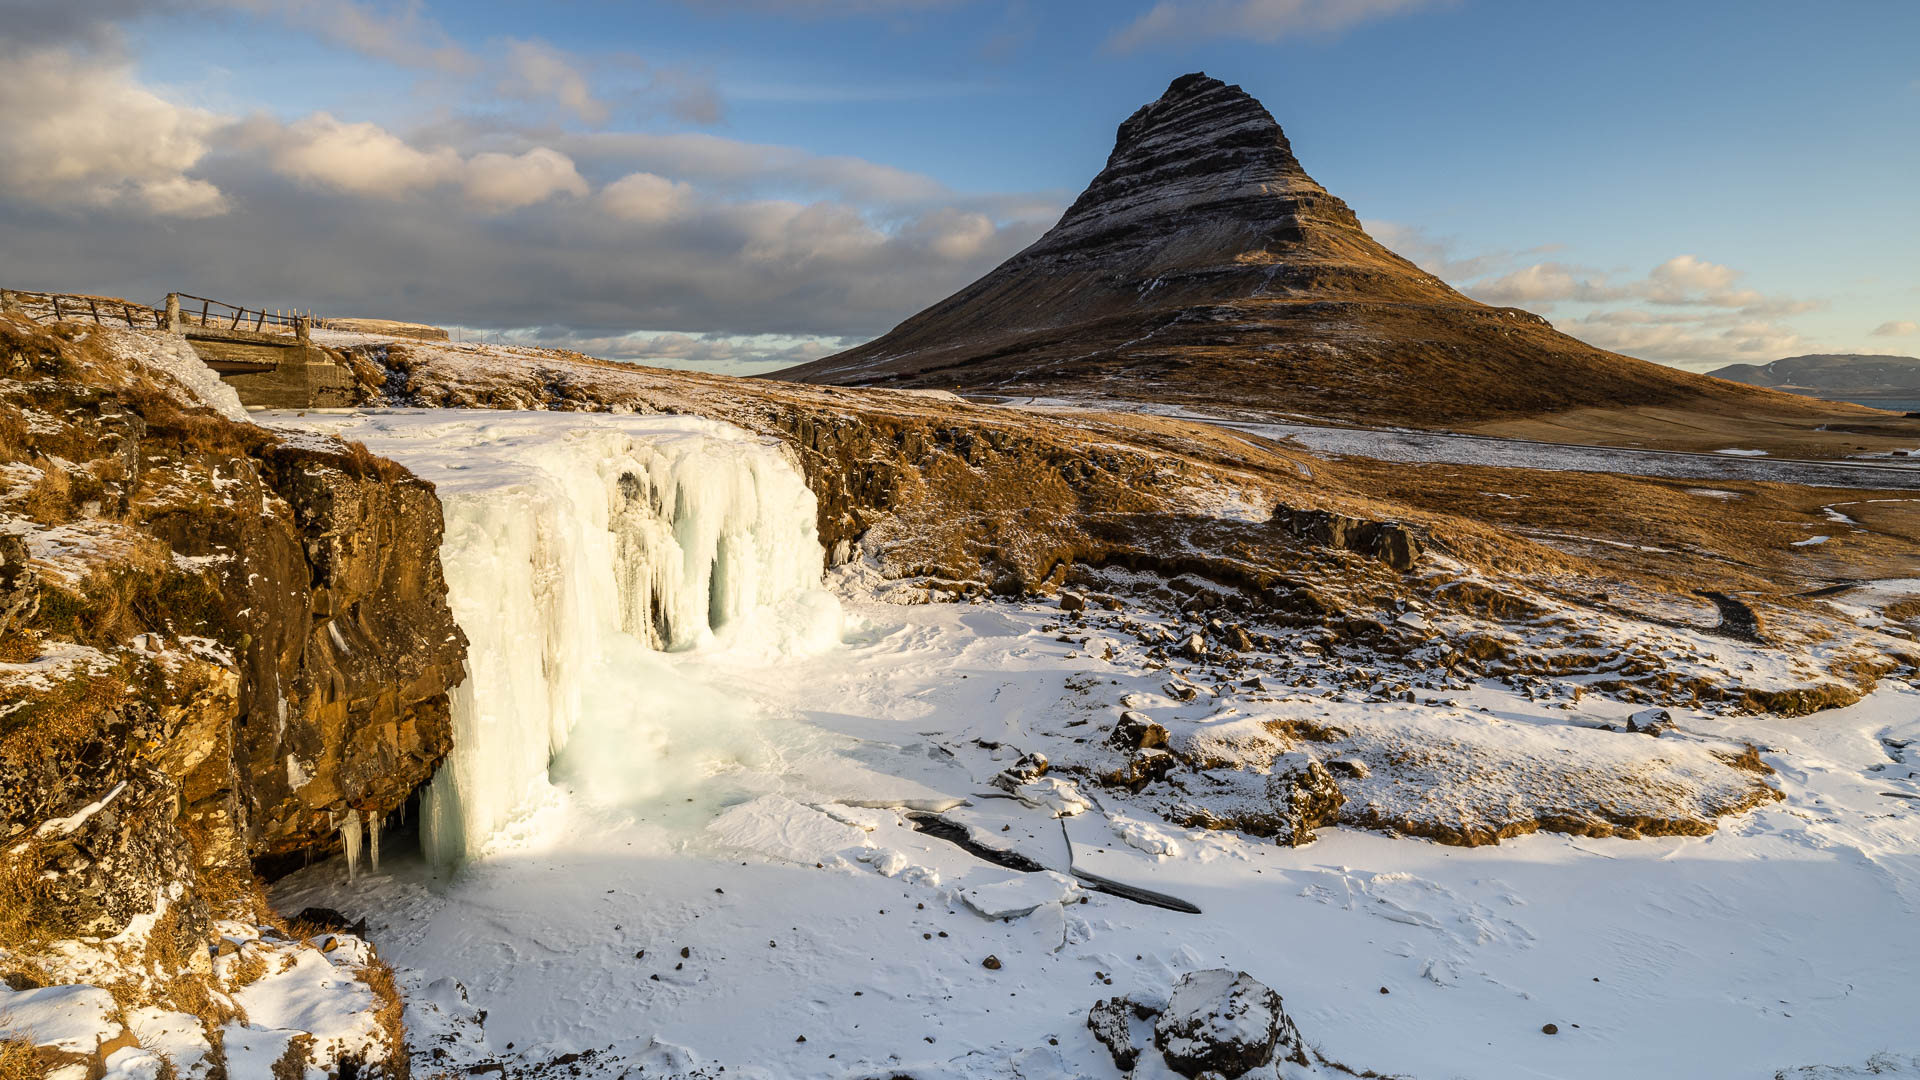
{"x": 1204, "y": 265}
{"x": 1225, "y": 1022}
{"x": 1304, "y": 797}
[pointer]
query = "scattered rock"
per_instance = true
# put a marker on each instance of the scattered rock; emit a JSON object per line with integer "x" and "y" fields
{"x": 1550, "y": 1029}
{"x": 1651, "y": 722}
{"x": 1193, "y": 648}
{"x": 1144, "y": 767}
{"x": 1180, "y": 691}
{"x": 1029, "y": 768}
{"x": 1350, "y": 767}
{"x": 991, "y": 963}
{"x": 1137, "y": 731}
{"x": 1070, "y": 601}
{"x": 1111, "y": 1022}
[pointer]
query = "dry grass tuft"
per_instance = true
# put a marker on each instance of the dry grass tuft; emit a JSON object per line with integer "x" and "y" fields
{"x": 1747, "y": 760}
{"x": 378, "y": 976}
{"x": 23, "y": 899}
{"x": 18, "y": 1061}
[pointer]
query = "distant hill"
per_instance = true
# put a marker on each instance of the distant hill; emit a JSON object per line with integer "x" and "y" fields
{"x": 1839, "y": 376}
{"x": 1204, "y": 266}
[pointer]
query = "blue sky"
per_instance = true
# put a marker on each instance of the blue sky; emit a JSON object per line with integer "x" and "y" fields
{"x": 745, "y": 183}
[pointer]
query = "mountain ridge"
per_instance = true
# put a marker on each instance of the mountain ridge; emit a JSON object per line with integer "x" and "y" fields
{"x": 1846, "y": 376}
{"x": 1203, "y": 265}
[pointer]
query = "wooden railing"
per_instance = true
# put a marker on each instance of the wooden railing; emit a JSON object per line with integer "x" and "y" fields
{"x": 200, "y": 311}
{"x": 181, "y": 310}
{"x": 53, "y": 307}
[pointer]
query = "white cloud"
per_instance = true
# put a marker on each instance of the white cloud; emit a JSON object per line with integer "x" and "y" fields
{"x": 499, "y": 182}
{"x": 1899, "y": 328}
{"x": 733, "y": 164}
{"x": 1436, "y": 254}
{"x": 367, "y": 160}
{"x": 537, "y": 71}
{"x": 1546, "y": 283}
{"x": 644, "y": 197}
{"x": 399, "y": 33}
{"x": 77, "y": 129}
{"x": 1258, "y": 20}
{"x": 1686, "y": 343}
{"x": 361, "y": 158}
{"x": 1682, "y": 281}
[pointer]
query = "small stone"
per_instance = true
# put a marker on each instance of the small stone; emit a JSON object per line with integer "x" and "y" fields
{"x": 1384, "y": 990}
{"x": 1550, "y": 1029}
{"x": 685, "y": 952}
{"x": 991, "y": 963}
{"x": 1350, "y": 767}
{"x": 1072, "y": 601}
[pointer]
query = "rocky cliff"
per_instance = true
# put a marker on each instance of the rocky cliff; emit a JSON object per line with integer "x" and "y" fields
{"x": 1203, "y": 265}
{"x": 215, "y": 646}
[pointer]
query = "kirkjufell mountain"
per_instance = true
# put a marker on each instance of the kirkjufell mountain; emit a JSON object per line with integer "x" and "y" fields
{"x": 1204, "y": 265}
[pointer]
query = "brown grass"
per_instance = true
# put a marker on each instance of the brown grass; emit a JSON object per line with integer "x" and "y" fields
{"x": 18, "y": 1061}
{"x": 1747, "y": 760}
{"x": 378, "y": 975}
{"x": 1904, "y": 610}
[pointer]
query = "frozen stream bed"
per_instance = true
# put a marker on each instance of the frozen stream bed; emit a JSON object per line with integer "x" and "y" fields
{"x": 684, "y": 840}
{"x": 1786, "y": 939}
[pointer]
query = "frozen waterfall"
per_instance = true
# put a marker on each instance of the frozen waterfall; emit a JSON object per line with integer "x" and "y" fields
{"x": 578, "y": 545}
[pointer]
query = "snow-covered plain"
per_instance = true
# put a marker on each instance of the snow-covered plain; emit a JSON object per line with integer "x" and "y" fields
{"x": 719, "y": 867}
{"x": 1453, "y": 448}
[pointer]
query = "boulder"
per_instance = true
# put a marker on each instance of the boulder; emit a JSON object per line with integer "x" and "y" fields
{"x": 1137, "y": 731}
{"x": 1304, "y": 796}
{"x": 1225, "y": 1022}
{"x": 1029, "y": 768}
{"x": 1651, "y": 722}
{"x": 1111, "y": 1021}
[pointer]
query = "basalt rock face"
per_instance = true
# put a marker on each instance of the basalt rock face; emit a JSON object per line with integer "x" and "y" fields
{"x": 217, "y": 643}
{"x": 1204, "y": 265}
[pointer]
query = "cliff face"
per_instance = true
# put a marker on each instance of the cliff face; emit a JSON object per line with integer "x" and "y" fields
{"x": 215, "y": 643}
{"x": 1203, "y": 265}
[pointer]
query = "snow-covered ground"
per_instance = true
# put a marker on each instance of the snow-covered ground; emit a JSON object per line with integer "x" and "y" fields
{"x": 1394, "y": 444}
{"x": 721, "y": 868}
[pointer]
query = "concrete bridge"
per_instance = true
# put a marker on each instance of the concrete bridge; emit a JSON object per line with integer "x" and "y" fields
{"x": 268, "y": 357}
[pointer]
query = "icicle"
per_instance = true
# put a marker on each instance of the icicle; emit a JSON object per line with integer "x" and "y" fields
{"x": 350, "y": 842}
{"x": 373, "y": 841}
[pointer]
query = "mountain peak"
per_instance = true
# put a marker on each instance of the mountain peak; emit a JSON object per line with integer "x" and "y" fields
{"x": 1202, "y": 147}
{"x": 1204, "y": 265}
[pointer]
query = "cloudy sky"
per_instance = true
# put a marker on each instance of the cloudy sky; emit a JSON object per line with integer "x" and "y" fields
{"x": 742, "y": 184}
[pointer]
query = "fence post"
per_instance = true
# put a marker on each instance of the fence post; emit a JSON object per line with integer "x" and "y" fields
{"x": 7, "y": 302}
{"x": 300, "y": 328}
{"x": 173, "y": 313}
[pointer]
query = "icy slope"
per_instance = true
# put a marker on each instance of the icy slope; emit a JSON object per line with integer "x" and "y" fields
{"x": 576, "y": 546}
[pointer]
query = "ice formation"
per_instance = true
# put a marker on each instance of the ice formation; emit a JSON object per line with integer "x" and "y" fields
{"x": 350, "y": 842}
{"x": 577, "y": 547}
